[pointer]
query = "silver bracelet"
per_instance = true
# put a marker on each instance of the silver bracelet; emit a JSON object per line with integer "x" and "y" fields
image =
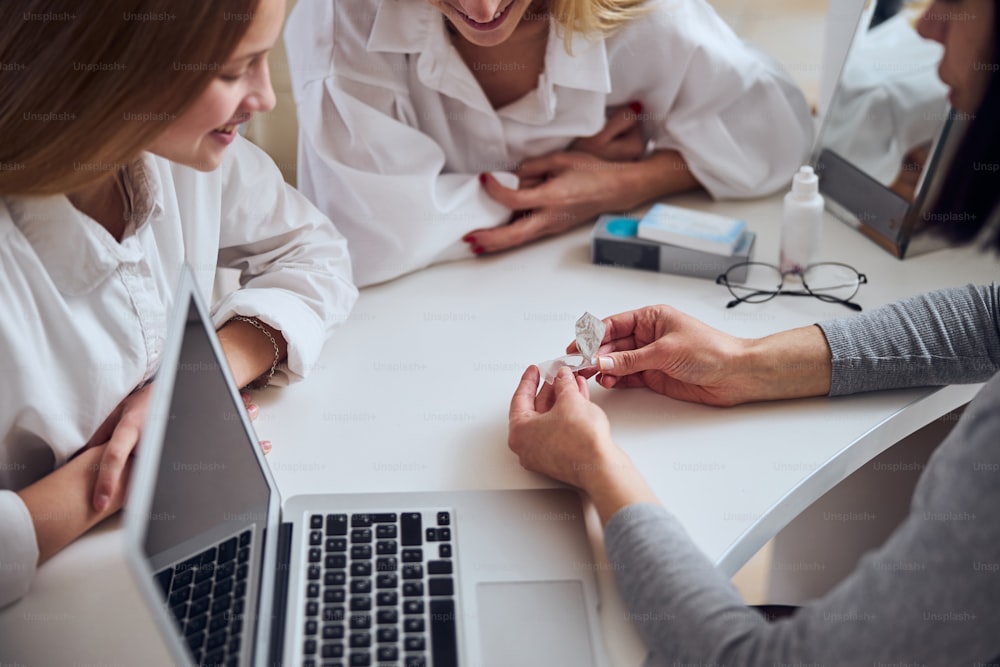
{"x": 263, "y": 380}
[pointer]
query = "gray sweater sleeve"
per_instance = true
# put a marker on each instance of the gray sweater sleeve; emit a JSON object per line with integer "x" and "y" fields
{"x": 950, "y": 336}
{"x": 928, "y": 596}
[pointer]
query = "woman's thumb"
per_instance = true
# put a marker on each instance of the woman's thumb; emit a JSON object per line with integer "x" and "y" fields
{"x": 627, "y": 362}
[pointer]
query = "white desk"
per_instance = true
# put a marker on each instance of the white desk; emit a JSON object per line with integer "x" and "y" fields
{"x": 412, "y": 394}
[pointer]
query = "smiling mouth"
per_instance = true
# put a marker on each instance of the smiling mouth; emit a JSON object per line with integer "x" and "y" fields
{"x": 497, "y": 19}
{"x": 232, "y": 126}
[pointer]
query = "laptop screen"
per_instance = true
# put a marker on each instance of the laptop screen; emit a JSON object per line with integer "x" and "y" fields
{"x": 209, "y": 482}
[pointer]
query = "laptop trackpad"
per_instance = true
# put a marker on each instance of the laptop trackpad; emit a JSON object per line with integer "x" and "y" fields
{"x": 534, "y": 623}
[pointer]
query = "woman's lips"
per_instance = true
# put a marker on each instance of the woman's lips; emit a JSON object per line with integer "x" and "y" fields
{"x": 497, "y": 20}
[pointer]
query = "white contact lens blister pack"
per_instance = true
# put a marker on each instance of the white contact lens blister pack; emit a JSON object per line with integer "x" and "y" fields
{"x": 589, "y": 334}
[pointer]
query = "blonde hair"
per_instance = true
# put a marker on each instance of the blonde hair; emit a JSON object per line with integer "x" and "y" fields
{"x": 594, "y": 18}
{"x": 88, "y": 85}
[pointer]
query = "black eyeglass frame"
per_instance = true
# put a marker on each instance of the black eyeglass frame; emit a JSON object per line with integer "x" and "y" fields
{"x": 722, "y": 279}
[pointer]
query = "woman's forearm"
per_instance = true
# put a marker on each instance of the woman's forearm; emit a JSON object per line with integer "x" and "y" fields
{"x": 60, "y": 505}
{"x": 664, "y": 172}
{"x": 790, "y": 364}
{"x": 249, "y": 351}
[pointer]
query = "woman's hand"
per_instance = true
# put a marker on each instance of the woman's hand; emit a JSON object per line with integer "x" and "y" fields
{"x": 621, "y": 139}
{"x": 559, "y": 191}
{"x": 560, "y": 433}
{"x": 679, "y": 356}
{"x": 118, "y": 437}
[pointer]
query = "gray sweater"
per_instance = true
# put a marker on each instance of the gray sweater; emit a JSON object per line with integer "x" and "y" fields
{"x": 930, "y": 595}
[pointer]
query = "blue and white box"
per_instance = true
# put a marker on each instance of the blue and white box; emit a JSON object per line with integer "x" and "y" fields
{"x": 615, "y": 242}
{"x": 697, "y": 230}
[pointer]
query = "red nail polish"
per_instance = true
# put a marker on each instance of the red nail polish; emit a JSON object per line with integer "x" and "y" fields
{"x": 482, "y": 178}
{"x": 469, "y": 239}
{"x": 636, "y": 107}
{"x": 478, "y": 250}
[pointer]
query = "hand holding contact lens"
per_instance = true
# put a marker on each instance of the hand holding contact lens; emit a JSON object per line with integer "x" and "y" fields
{"x": 589, "y": 334}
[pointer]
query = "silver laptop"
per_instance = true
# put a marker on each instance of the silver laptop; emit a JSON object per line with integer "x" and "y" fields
{"x": 237, "y": 575}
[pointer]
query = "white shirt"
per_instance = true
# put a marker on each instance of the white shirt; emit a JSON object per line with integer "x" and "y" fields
{"x": 889, "y": 101}
{"x": 84, "y": 316}
{"x": 395, "y": 129}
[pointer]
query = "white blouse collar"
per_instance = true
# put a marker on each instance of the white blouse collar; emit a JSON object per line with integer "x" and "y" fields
{"x": 77, "y": 252}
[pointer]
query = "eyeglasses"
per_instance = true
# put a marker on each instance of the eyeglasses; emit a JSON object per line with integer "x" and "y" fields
{"x": 756, "y": 282}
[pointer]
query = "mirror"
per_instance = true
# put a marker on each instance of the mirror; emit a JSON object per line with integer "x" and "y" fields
{"x": 887, "y": 128}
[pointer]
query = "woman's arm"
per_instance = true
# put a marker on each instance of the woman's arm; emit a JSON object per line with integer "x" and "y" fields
{"x": 926, "y": 597}
{"x": 295, "y": 271}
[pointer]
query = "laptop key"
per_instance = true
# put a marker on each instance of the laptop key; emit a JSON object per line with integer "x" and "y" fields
{"x": 227, "y": 550}
{"x": 316, "y": 522}
{"x": 444, "y": 518}
{"x": 199, "y": 607}
{"x": 411, "y": 529}
{"x": 438, "y": 586}
{"x": 361, "y": 586}
{"x": 361, "y": 535}
{"x": 196, "y": 624}
{"x": 413, "y": 589}
{"x": 439, "y": 567}
{"x": 361, "y": 603}
{"x": 333, "y": 631}
{"x": 180, "y": 611}
{"x": 385, "y": 531}
{"x": 414, "y": 644}
{"x": 413, "y": 607}
{"x": 332, "y": 650}
{"x": 201, "y": 590}
{"x": 387, "y": 654}
{"x": 360, "y": 622}
{"x": 387, "y": 599}
{"x": 384, "y": 517}
{"x": 336, "y": 524}
{"x": 360, "y": 639}
{"x": 334, "y": 595}
{"x": 182, "y": 579}
{"x": 336, "y": 544}
{"x": 386, "y": 547}
{"x": 414, "y": 624}
{"x": 334, "y": 578}
{"x": 221, "y": 604}
{"x": 215, "y": 657}
{"x": 444, "y": 644}
{"x": 444, "y": 551}
{"x": 216, "y": 640}
{"x": 386, "y": 564}
{"x": 413, "y": 571}
{"x": 413, "y": 555}
{"x": 386, "y": 581}
{"x": 219, "y": 621}
{"x": 387, "y": 635}
{"x": 309, "y": 648}
{"x": 179, "y": 597}
{"x": 415, "y": 661}
{"x": 360, "y": 659}
{"x": 163, "y": 579}
{"x": 361, "y": 520}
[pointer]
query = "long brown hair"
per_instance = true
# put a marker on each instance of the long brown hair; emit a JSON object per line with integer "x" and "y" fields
{"x": 86, "y": 86}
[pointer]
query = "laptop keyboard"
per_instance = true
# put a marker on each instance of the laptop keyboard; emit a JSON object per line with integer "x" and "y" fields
{"x": 207, "y": 595}
{"x": 380, "y": 590}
